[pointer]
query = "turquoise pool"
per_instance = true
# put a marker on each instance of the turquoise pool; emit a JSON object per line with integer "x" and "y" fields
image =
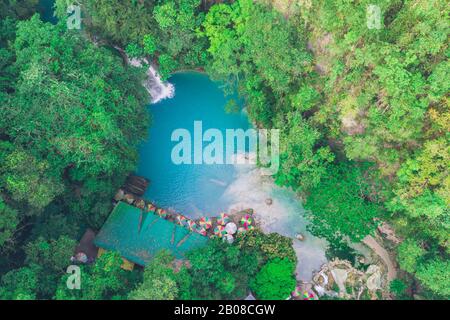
{"x": 193, "y": 189}
{"x": 196, "y": 190}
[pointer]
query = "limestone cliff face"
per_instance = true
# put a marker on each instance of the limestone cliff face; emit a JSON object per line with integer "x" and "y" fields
{"x": 338, "y": 278}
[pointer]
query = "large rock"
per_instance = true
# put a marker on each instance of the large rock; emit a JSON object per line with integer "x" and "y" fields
{"x": 350, "y": 281}
{"x": 389, "y": 232}
{"x": 373, "y": 268}
{"x": 300, "y": 237}
{"x": 373, "y": 282}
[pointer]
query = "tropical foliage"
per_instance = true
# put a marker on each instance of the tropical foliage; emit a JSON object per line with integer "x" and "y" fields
{"x": 363, "y": 114}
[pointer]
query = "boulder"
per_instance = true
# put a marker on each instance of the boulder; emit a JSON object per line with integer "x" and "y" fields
{"x": 389, "y": 232}
{"x": 374, "y": 281}
{"x": 300, "y": 237}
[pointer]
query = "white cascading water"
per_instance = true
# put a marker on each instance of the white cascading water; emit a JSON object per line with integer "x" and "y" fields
{"x": 157, "y": 88}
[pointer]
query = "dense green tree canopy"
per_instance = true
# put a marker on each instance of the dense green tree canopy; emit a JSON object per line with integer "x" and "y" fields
{"x": 363, "y": 117}
{"x": 386, "y": 102}
{"x": 9, "y": 220}
{"x": 103, "y": 280}
{"x": 73, "y": 120}
{"x": 341, "y": 204}
{"x": 159, "y": 280}
{"x": 71, "y": 117}
{"x": 119, "y": 21}
{"x": 275, "y": 281}
{"x": 434, "y": 274}
{"x": 19, "y": 284}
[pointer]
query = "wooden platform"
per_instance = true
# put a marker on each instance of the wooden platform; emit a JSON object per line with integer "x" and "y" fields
{"x": 136, "y": 185}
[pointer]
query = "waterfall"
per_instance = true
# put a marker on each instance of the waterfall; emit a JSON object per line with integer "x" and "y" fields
{"x": 157, "y": 88}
